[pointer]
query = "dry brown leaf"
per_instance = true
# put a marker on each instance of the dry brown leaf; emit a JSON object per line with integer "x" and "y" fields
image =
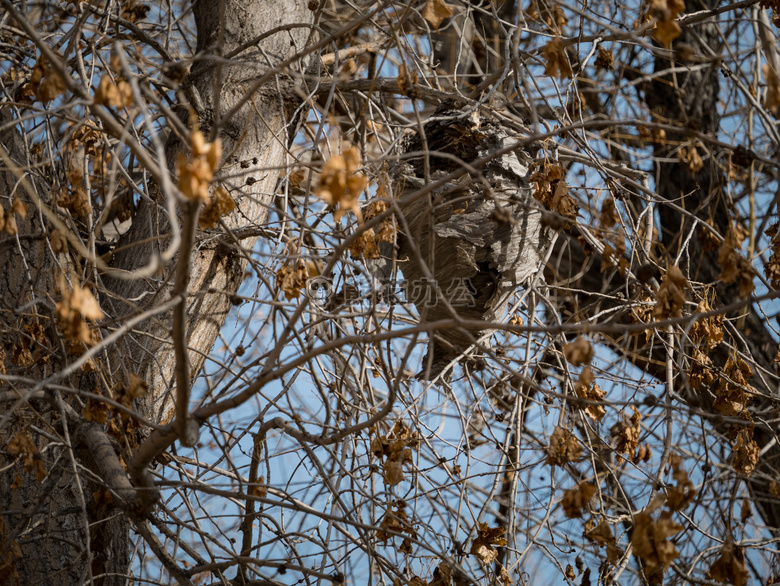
{"x": 395, "y": 448}
{"x": 436, "y": 12}
{"x": 442, "y": 575}
{"x": 587, "y": 389}
{"x": 626, "y": 432}
{"x": 365, "y": 245}
{"x": 51, "y": 86}
{"x": 22, "y": 445}
{"x": 564, "y": 447}
{"x": 670, "y": 298}
{"x": 75, "y": 201}
{"x": 745, "y": 511}
{"x": 551, "y": 189}
{"x": 744, "y": 456}
{"x": 679, "y": 496}
{"x": 577, "y": 498}
{"x": 609, "y": 216}
{"x": 772, "y": 266}
{"x": 701, "y": 372}
{"x": 395, "y": 521}
{"x": 95, "y": 411}
{"x": 220, "y": 204}
{"x": 708, "y": 331}
{"x": 503, "y": 575}
{"x": 731, "y": 398}
{"x": 385, "y": 232}
{"x": 77, "y": 306}
{"x": 18, "y": 207}
{"x": 291, "y": 278}
{"x": 195, "y": 174}
{"x": 260, "y": 489}
{"x": 578, "y": 352}
{"x": 341, "y": 184}
{"x": 118, "y": 95}
{"x": 734, "y": 266}
{"x": 603, "y": 536}
{"x": 729, "y": 568}
{"x": 555, "y": 59}
{"x": 605, "y": 59}
{"x": 10, "y": 225}
{"x": 772, "y": 97}
{"x": 643, "y": 454}
{"x": 649, "y": 539}
{"x": 665, "y": 12}
{"x": 483, "y": 544}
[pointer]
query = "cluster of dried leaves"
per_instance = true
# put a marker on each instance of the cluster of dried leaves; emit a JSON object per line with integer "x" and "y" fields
{"x": 8, "y": 218}
{"x": 734, "y": 266}
{"x": 551, "y": 189}
{"x": 341, "y": 184}
{"x": 366, "y": 245}
{"x": 195, "y": 174}
{"x": 564, "y": 447}
{"x": 665, "y": 13}
{"x": 626, "y": 433}
{"x": 21, "y": 446}
{"x": 394, "y": 449}
{"x": 772, "y": 265}
{"x": 121, "y": 425}
{"x": 44, "y": 85}
{"x": 650, "y": 537}
{"x": 77, "y": 305}
{"x": 614, "y": 253}
{"x": 578, "y": 353}
{"x": 114, "y": 91}
{"x": 291, "y": 277}
{"x": 670, "y": 299}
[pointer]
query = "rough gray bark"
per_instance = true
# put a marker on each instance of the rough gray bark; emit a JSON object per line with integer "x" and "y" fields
{"x": 45, "y": 535}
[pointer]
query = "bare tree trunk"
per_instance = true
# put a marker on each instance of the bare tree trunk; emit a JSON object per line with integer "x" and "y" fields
{"x": 60, "y": 529}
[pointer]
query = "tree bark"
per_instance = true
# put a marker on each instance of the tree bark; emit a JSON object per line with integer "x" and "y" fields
{"x": 54, "y": 531}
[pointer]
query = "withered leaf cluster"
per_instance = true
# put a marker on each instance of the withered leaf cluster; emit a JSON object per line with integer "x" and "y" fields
{"x": 626, "y": 432}
{"x": 577, "y": 498}
{"x": 555, "y": 59}
{"x": 670, "y": 298}
{"x": 394, "y": 449}
{"x": 395, "y": 520}
{"x": 745, "y": 453}
{"x": 367, "y": 243}
{"x": 341, "y": 184}
{"x": 734, "y": 266}
{"x": 483, "y": 544}
{"x": 729, "y": 568}
{"x": 650, "y": 540}
{"x": 682, "y": 493}
{"x": 195, "y": 174}
{"x": 220, "y": 204}
{"x": 76, "y": 307}
{"x": 8, "y": 218}
{"x": 578, "y": 352}
{"x": 552, "y": 191}
{"x": 707, "y": 332}
{"x": 772, "y": 265}
{"x": 587, "y": 388}
{"x": 564, "y": 447}
{"x": 733, "y": 391}
{"x": 665, "y": 12}
{"x": 436, "y": 12}
{"x": 603, "y": 535}
{"x": 22, "y": 446}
